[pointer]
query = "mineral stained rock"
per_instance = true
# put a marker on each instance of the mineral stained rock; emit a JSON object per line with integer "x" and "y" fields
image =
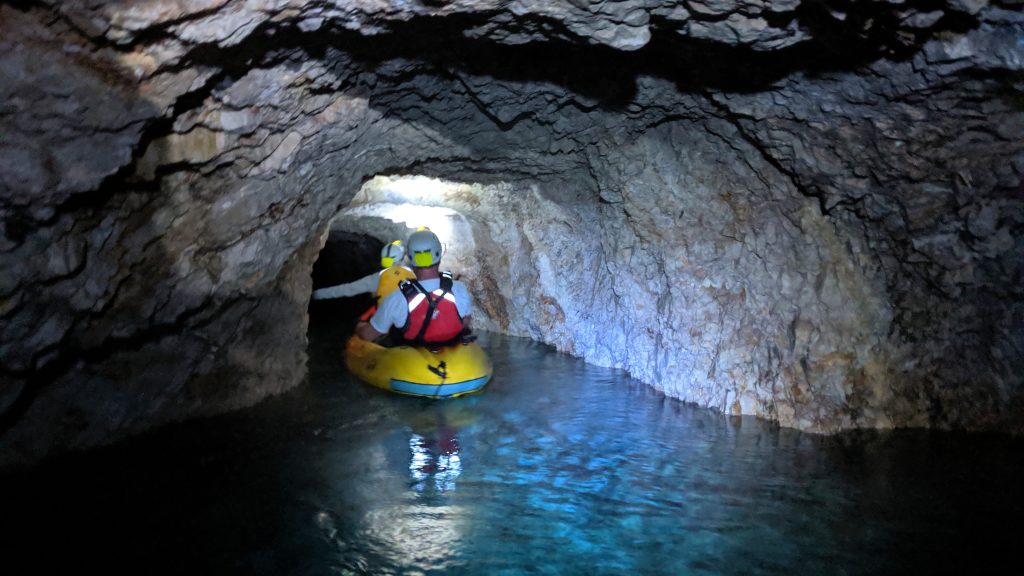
{"x": 810, "y": 212}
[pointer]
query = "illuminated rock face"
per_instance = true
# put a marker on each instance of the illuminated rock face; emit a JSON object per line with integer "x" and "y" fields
{"x": 809, "y": 215}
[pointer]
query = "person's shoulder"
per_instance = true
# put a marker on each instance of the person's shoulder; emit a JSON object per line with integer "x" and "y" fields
{"x": 400, "y": 271}
{"x": 392, "y": 296}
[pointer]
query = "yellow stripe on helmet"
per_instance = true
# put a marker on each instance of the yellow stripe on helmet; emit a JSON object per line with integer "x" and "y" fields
{"x": 423, "y": 259}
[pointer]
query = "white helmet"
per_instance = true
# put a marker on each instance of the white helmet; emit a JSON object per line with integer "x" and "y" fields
{"x": 392, "y": 254}
{"x": 424, "y": 248}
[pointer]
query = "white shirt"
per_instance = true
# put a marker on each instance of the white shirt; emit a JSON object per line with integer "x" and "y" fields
{"x": 394, "y": 310}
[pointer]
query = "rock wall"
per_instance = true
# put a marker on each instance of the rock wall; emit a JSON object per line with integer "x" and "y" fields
{"x": 748, "y": 302}
{"x": 808, "y": 212}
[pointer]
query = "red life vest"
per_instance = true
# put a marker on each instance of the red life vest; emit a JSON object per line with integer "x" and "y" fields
{"x": 433, "y": 316}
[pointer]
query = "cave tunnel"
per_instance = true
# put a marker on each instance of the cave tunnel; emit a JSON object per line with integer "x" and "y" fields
{"x": 785, "y": 220}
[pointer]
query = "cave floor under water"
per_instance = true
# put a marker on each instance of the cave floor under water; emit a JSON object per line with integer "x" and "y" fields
{"x": 557, "y": 467}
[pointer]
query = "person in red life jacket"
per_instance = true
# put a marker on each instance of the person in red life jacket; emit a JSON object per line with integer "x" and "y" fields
{"x": 431, "y": 310}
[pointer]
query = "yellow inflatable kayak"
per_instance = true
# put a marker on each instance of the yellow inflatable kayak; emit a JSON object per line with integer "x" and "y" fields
{"x": 449, "y": 372}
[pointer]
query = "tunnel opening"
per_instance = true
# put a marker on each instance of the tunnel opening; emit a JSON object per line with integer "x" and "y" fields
{"x": 345, "y": 258}
{"x": 388, "y": 208}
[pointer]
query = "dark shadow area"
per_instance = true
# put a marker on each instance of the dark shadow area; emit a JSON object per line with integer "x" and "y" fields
{"x": 864, "y": 33}
{"x": 345, "y": 257}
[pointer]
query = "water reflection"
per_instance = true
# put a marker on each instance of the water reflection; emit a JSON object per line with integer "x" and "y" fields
{"x": 395, "y": 496}
{"x": 434, "y": 463}
{"x": 435, "y": 459}
{"x": 556, "y": 468}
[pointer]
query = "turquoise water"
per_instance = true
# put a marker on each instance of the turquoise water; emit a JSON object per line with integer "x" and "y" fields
{"x": 555, "y": 468}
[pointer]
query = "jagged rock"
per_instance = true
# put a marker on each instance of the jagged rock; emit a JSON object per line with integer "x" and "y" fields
{"x": 811, "y": 215}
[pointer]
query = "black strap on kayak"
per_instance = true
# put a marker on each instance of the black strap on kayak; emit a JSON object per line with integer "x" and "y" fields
{"x": 441, "y": 369}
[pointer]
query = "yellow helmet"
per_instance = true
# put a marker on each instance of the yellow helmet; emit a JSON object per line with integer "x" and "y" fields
{"x": 424, "y": 248}
{"x": 392, "y": 254}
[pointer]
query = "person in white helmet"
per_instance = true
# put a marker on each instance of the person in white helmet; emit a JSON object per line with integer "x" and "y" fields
{"x": 432, "y": 310}
{"x": 393, "y": 272}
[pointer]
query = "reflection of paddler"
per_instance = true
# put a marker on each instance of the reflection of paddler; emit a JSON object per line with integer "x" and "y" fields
{"x": 435, "y": 452}
{"x": 393, "y": 273}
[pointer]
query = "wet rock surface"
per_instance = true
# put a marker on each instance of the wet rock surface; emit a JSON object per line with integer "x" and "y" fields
{"x": 811, "y": 213}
